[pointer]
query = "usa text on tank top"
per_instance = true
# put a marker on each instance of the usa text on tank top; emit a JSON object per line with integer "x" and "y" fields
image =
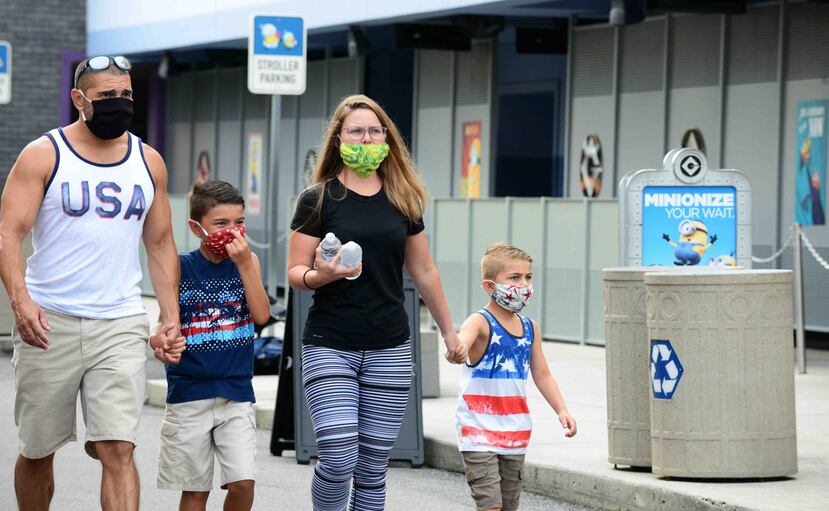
{"x": 87, "y": 233}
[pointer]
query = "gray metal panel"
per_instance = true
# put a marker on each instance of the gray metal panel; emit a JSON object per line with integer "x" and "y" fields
{"x": 695, "y": 51}
{"x": 256, "y": 121}
{"x": 488, "y": 226}
{"x": 640, "y": 132}
{"x": 434, "y": 78}
{"x": 204, "y": 112}
{"x": 751, "y": 145}
{"x": 807, "y": 52}
{"x": 752, "y": 45}
{"x": 602, "y": 252}
{"x": 450, "y": 244}
{"x": 434, "y": 139}
{"x": 524, "y": 233}
{"x": 696, "y": 107}
{"x": 593, "y": 61}
{"x": 312, "y": 104}
{"x": 409, "y": 444}
{"x": 566, "y": 258}
{"x": 178, "y": 138}
{"x": 342, "y": 81}
{"x": 226, "y": 166}
{"x": 642, "y": 56}
{"x": 472, "y": 85}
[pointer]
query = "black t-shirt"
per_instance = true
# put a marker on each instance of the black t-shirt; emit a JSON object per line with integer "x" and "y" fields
{"x": 368, "y": 312}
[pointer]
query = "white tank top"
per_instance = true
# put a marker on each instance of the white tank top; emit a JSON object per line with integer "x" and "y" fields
{"x": 87, "y": 234}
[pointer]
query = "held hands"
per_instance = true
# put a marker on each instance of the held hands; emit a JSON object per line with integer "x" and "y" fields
{"x": 168, "y": 343}
{"x": 334, "y": 269}
{"x": 456, "y": 350}
{"x": 568, "y": 423}
{"x": 239, "y": 250}
{"x": 31, "y": 323}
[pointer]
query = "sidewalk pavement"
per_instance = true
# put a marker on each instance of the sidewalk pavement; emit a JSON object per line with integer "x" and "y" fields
{"x": 577, "y": 469}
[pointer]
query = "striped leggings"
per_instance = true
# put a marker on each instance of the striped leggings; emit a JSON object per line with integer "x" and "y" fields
{"x": 357, "y": 400}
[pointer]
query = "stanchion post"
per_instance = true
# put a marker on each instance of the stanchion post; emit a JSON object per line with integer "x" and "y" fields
{"x": 800, "y": 340}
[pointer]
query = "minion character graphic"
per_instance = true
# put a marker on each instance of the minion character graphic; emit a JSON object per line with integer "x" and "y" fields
{"x": 723, "y": 261}
{"x": 692, "y": 244}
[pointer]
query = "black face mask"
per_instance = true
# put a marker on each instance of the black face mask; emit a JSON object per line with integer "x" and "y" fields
{"x": 110, "y": 117}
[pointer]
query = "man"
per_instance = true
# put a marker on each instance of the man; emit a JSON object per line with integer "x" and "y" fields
{"x": 89, "y": 193}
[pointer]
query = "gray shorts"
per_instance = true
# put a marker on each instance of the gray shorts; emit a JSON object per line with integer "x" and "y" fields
{"x": 103, "y": 359}
{"x": 495, "y": 480}
{"x": 193, "y": 433}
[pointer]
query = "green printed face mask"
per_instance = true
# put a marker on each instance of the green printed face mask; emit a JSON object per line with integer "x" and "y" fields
{"x": 363, "y": 159}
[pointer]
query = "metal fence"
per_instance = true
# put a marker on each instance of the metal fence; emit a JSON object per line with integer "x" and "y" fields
{"x": 570, "y": 241}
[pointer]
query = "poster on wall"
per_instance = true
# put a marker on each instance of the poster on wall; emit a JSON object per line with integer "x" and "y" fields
{"x": 590, "y": 167}
{"x": 689, "y": 226}
{"x": 203, "y": 167}
{"x": 253, "y": 181}
{"x": 471, "y": 160}
{"x": 693, "y": 138}
{"x": 810, "y": 168}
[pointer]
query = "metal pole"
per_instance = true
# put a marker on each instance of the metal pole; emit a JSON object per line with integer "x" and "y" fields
{"x": 617, "y": 71}
{"x": 272, "y": 222}
{"x": 568, "y": 107}
{"x": 800, "y": 341}
{"x": 585, "y": 278}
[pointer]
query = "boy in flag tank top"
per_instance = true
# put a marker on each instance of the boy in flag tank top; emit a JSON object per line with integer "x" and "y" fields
{"x": 210, "y": 392}
{"x": 492, "y": 419}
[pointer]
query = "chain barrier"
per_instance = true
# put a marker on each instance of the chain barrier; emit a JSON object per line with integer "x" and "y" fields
{"x": 779, "y": 252}
{"x": 821, "y": 261}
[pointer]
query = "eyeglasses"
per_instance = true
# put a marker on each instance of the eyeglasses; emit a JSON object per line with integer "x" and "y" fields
{"x": 103, "y": 62}
{"x": 356, "y": 133}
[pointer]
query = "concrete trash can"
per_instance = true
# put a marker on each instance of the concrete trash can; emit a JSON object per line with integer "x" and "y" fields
{"x": 722, "y": 377}
{"x": 626, "y": 359}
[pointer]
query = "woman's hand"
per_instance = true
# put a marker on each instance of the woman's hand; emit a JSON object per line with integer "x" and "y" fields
{"x": 332, "y": 270}
{"x": 456, "y": 350}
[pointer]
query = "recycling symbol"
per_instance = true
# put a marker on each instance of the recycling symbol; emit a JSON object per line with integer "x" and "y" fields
{"x": 666, "y": 370}
{"x": 690, "y": 165}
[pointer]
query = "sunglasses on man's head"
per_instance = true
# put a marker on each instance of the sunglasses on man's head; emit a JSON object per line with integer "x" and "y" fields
{"x": 102, "y": 62}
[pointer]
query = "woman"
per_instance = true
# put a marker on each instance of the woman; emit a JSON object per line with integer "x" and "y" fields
{"x": 357, "y": 353}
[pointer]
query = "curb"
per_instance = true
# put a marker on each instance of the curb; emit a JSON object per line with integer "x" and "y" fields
{"x": 583, "y": 488}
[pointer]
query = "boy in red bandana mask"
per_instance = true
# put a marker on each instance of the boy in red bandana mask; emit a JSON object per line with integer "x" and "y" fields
{"x": 210, "y": 392}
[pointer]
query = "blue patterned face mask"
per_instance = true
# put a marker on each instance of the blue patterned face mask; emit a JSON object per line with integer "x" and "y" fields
{"x": 512, "y": 298}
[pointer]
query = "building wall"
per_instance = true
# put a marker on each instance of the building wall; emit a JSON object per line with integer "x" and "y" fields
{"x": 451, "y": 88}
{"x": 640, "y": 87}
{"x": 40, "y": 33}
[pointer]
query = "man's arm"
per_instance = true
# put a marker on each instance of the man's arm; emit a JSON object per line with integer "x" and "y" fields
{"x": 21, "y": 202}
{"x": 162, "y": 257}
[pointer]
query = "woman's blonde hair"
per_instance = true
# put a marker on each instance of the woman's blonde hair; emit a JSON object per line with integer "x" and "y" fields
{"x": 402, "y": 184}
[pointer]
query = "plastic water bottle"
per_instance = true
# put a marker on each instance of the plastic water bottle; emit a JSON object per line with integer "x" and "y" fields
{"x": 330, "y": 246}
{"x": 352, "y": 255}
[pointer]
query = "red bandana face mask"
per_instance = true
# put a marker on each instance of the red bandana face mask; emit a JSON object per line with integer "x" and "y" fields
{"x": 217, "y": 241}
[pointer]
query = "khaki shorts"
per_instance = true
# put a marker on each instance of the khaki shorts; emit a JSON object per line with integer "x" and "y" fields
{"x": 192, "y": 432}
{"x": 103, "y": 359}
{"x": 496, "y": 480}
